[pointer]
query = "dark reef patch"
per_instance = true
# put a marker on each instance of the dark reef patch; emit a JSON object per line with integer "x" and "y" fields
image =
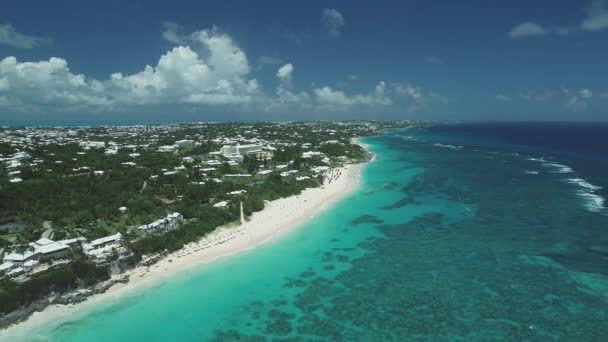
{"x": 400, "y": 203}
{"x": 366, "y": 219}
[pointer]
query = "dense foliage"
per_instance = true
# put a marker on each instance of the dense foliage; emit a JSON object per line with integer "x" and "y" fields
{"x": 78, "y": 273}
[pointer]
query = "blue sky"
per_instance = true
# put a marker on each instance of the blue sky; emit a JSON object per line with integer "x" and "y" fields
{"x": 237, "y": 60}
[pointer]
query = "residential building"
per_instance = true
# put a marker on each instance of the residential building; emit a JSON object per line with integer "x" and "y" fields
{"x": 170, "y": 222}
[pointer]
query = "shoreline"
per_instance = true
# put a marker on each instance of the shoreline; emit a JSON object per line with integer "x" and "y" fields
{"x": 278, "y": 218}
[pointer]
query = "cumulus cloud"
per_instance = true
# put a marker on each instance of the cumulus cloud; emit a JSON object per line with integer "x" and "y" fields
{"x": 333, "y": 21}
{"x": 332, "y": 99}
{"x": 47, "y": 82}
{"x": 10, "y": 36}
{"x": 210, "y": 70}
{"x": 576, "y": 104}
{"x": 174, "y": 33}
{"x": 526, "y": 30}
{"x": 573, "y": 100}
{"x": 597, "y": 16}
{"x": 181, "y": 76}
{"x": 418, "y": 99}
{"x": 284, "y": 73}
{"x": 409, "y": 90}
{"x": 596, "y": 19}
{"x": 503, "y": 98}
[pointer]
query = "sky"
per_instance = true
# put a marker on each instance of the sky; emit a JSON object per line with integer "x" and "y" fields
{"x": 130, "y": 61}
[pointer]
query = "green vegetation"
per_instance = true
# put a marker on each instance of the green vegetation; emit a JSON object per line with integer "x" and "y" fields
{"x": 72, "y": 182}
{"x": 78, "y": 273}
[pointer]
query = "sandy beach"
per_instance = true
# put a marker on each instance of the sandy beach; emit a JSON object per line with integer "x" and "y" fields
{"x": 277, "y": 218}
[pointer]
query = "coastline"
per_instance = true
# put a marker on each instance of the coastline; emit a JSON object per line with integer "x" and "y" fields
{"x": 278, "y": 218}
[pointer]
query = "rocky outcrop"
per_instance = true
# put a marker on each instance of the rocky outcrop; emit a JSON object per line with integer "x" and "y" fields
{"x": 72, "y": 297}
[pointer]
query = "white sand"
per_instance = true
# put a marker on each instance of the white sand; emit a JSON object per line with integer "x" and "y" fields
{"x": 277, "y": 218}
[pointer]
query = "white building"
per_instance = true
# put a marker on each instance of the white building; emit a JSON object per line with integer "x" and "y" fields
{"x": 222, "y": 204}
{"x": 98, "y": 250}
{"x": 172, "y": 221}
{"x": 166, "y": 148}
{"x": 41, "y": 250}
{"x": 92, "y": 144}
{"x": 240, "y": 149}
{"x": 185, "y": 143}
{"x": 237, "y": 152}
{"x": 18, "y": 259}
{"x": 48, "y": 249}
{"x": 105, "y": 241}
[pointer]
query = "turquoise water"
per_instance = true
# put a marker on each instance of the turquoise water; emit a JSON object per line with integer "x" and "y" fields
{"x": 439, "y": 243}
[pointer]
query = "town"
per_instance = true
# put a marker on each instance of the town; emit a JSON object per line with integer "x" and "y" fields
{"x": 112, "y": 197}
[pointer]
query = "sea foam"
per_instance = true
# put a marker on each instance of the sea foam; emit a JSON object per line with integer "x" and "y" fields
{"x": 559, "y": 168}
{"x": 591, "y": 201}
{"x": 583, "y": 183}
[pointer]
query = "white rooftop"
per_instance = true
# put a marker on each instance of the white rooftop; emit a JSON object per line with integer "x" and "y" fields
{"x": 111, "y": 238}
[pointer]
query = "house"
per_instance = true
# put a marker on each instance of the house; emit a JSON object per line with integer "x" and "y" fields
{"x": 222, "y": 204}
{"x": 48, "y": 249}
{"x": 19, "y": 258}
{"x": 185, "y": 143}
{"x": 73, "y": 242}
{"x": 237, "y": 152}
{"x": 98, "y": 250}
{"x": 172, "y": 221}
{"x": 105, "y": 241}
{"x": 15, "y": 272}
{"x": 30, "y": 264}
{"x": 166, "y": 148}
{"x": 6, "y": 266}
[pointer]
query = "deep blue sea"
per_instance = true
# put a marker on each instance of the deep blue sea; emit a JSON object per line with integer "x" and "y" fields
{"x": 463, "y": 232}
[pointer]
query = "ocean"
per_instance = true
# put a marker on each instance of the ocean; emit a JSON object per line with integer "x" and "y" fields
{"x": 459, "y": 232}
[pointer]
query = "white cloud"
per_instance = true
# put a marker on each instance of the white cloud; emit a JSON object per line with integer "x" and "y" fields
{"x": 596, "y": 19}
{"x": 585, "y": 93}
{"x": 576, "y": 104}
{"x": 418, "y": 100}
{"x": 284, "y": 73}
{"x": 10, "y": 36}
{"x": 503, "y": 98}
{"x": 597, "y": 16}
{"x": 409, "y": 90}
{"x": 434, "y": 60}
{"x": 183, "y": 76}
{"x": 333, "y": 21}
{"x": 46, "y": 82}
{"x": 577, "y": 101}
{"x": 210, "y": 70}
{"x": 330, "y": 99}
{"x": 173, "y": 33}
{"x": 180, "y": 76}
{"x": 4, "y": 85}
{"x": 288, "y": 100}
{"x": 526, "y": 30}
